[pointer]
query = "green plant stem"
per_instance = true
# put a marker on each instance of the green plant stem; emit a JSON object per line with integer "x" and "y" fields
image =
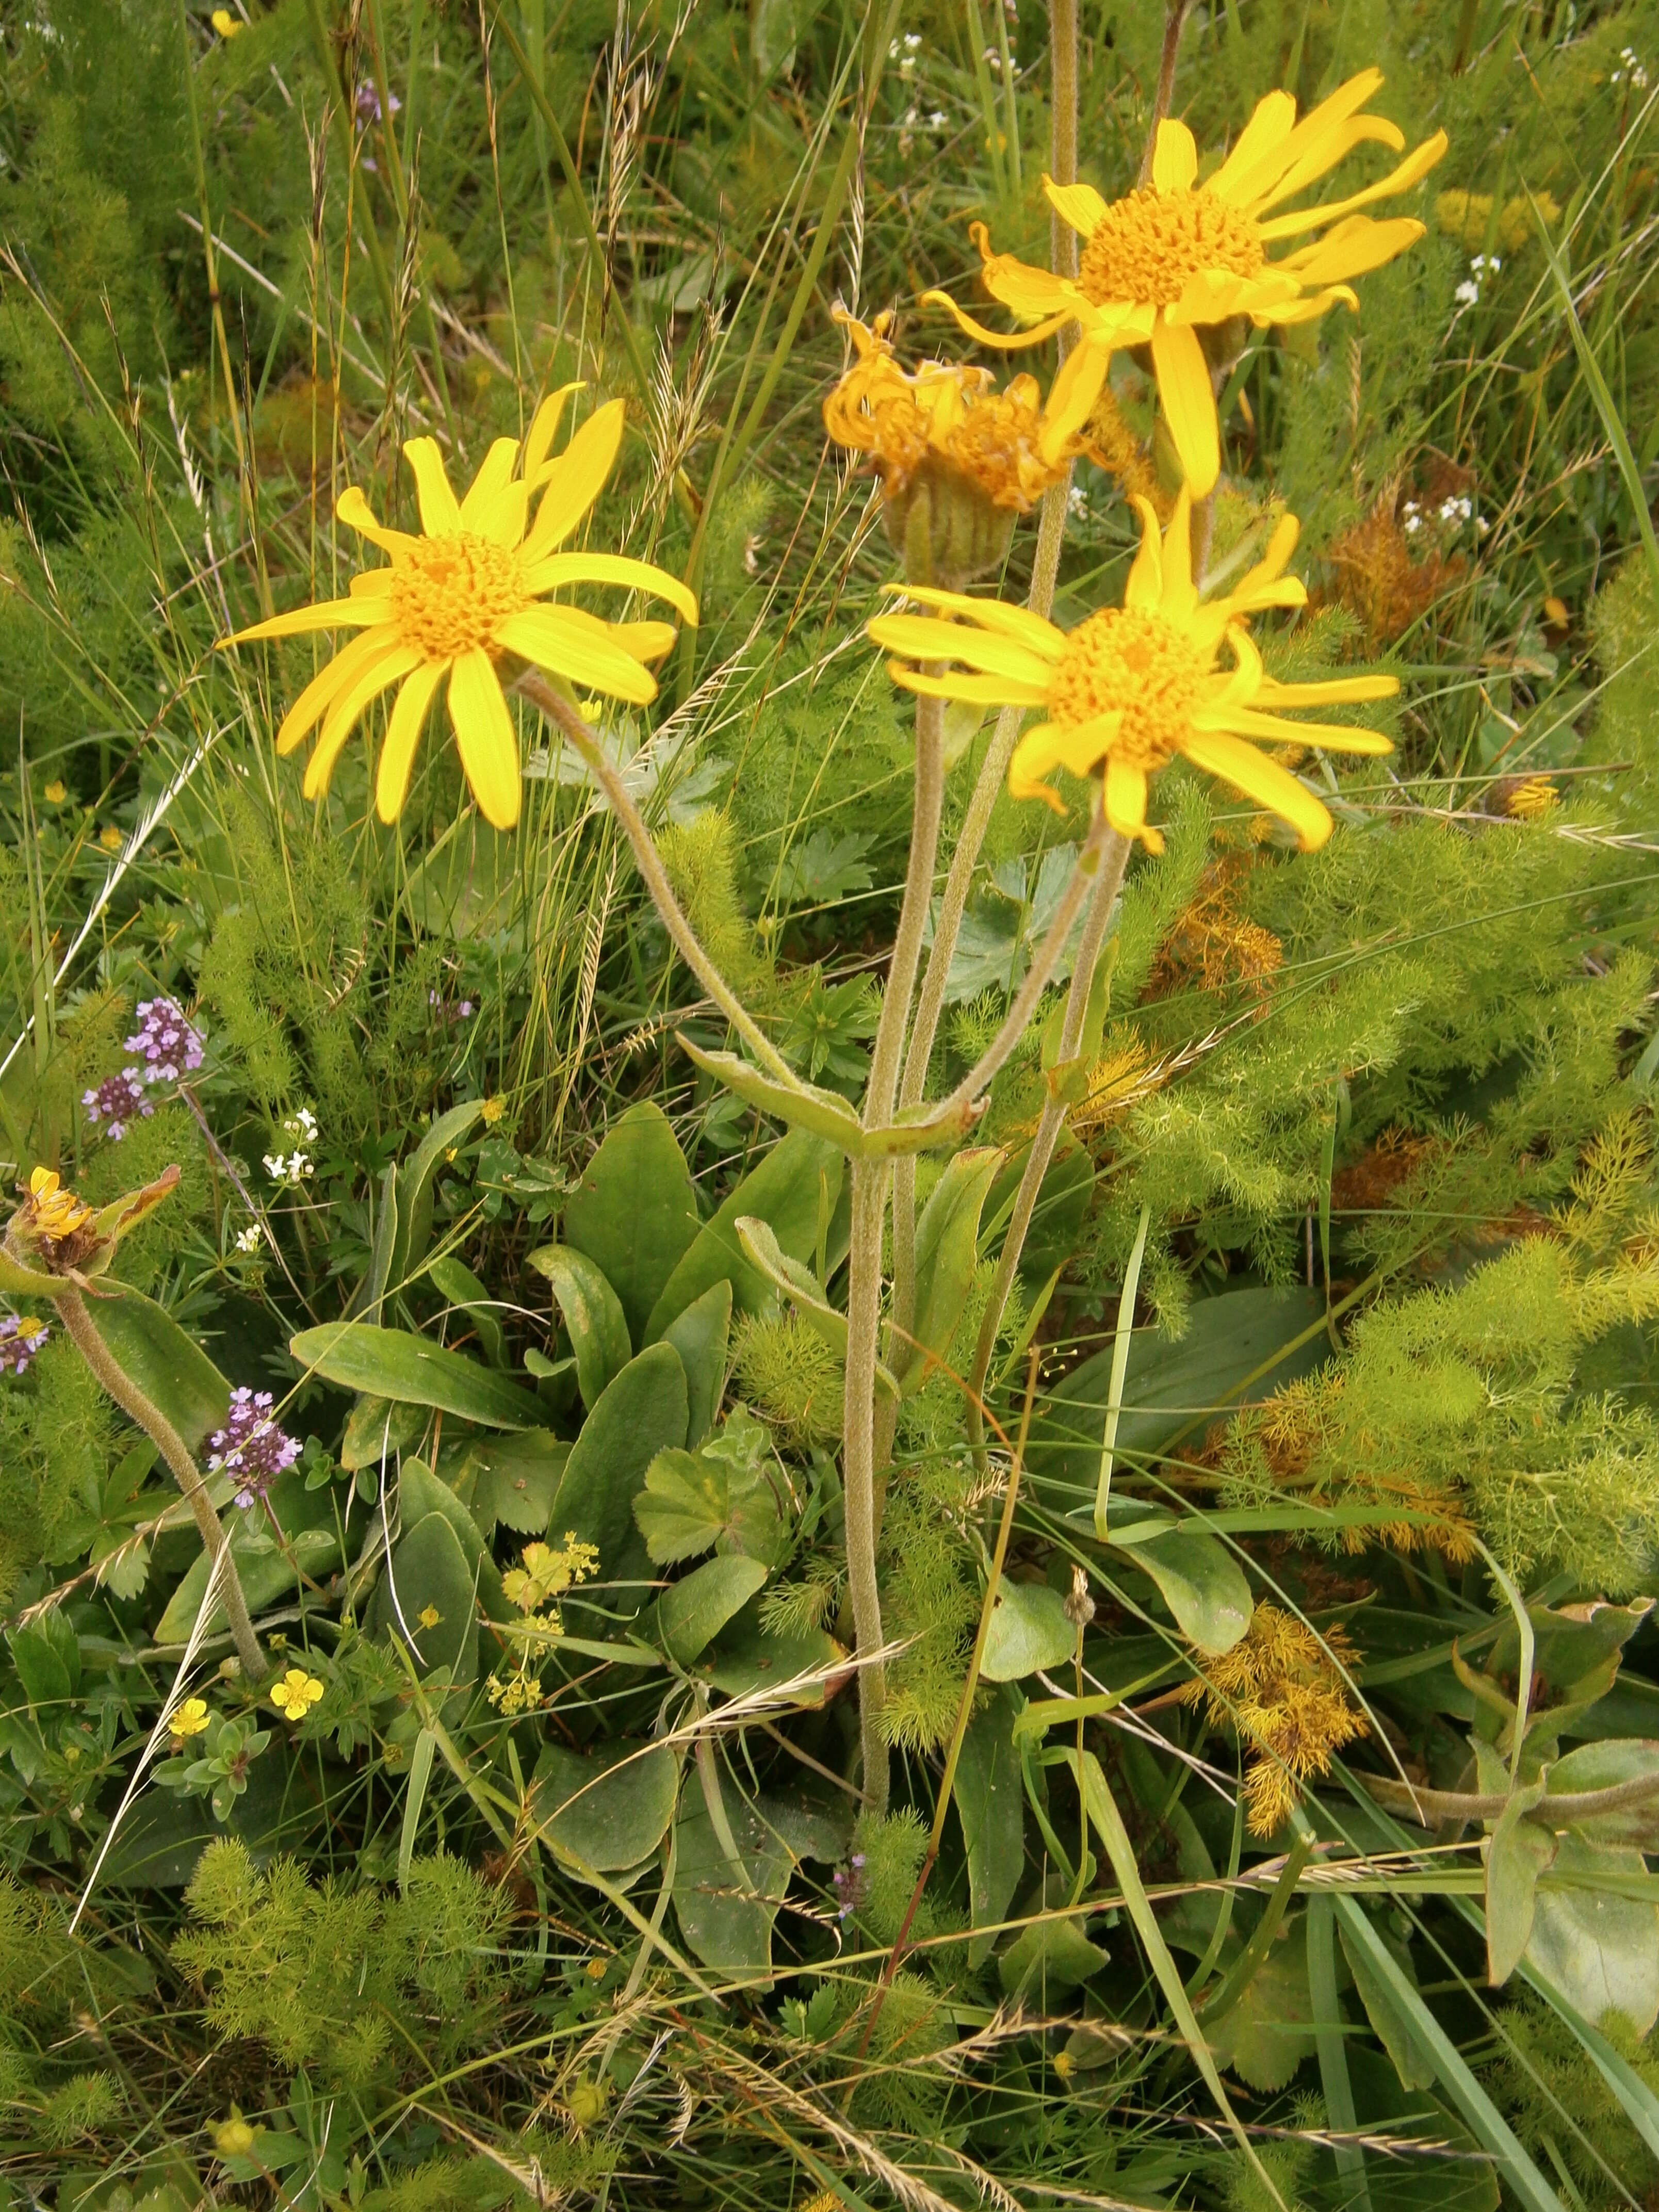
{"x": 78, "y": 1326}
{"x": 1566, "y": 1808}
{"x": 541, "y": 695}
{"x": 1175, "y": 17}
{"x": 1062, "y": 145}
{"x": 859, "y": 1464}
{"x": 901, "y": 984}
{"x": 1114, "y": 858}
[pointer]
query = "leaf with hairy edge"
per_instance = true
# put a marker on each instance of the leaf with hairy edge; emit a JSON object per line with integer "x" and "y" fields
{"x": 414, "y": 1179}
{"x": 947, "y": 1247}
{"x": 391, "y": 1362}
{"x": 592, "y": 1316}
{"x": 1517, "y": 1852}
{"x": 701, "y": 1335}
{"x": 169, "y": 1367}
{"x": 643, "y": 1412}
{"x": 990, "y": 1804}
{"x": 797, "y": 1283}
{"x": 1198, "y": 1577}
{"x": 692, "y": 1612}
{"x": 797, "y": 1105}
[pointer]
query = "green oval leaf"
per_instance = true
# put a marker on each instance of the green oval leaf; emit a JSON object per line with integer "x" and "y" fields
{"x": 169, "y": 1367}
{"x": 1029, "y": 1630}
{"x": 634, "y": 1213}
{"x": 784, "y": 1190}
{"x": 391, "y": 1362}
{"x": 693, "y": 1613}
{"x": 592, "y": 1315}
{"x": 612, "y": 1809}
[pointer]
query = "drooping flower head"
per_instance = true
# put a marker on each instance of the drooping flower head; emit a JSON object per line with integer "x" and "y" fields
{"x": 250, "y": 1448}
{"x": 170, "y": 1047}
{"x": 1162, "y": 266}
{"x": 467, "y": 593}
{"x": 117, "y": 1100}
{"x": 958, "y": 459}
{"x": 21, "y": 1337}
{"x": 1133, "y": 686}
{"x": 52, "y": 1234}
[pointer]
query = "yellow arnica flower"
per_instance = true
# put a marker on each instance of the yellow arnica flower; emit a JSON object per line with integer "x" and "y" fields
{"x": 191, "y": 1719}
{"x": 1160, "y": 264}
{"x": 52, "y": 1210}
{"x": 1132, "y": 686}
{"x": 940, "y": 412}
{"x": 464, "y": 595}
{"x": 296, "y": 1694}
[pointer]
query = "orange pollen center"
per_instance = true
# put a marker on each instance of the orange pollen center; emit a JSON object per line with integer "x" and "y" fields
{"x": 1135, "y": 665}
{"x": 1147, "y": 244}
{"x": 451, "y": 593}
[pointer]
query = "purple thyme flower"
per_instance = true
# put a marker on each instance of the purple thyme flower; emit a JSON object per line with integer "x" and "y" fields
{"x": 116, "y": 1101}
{"x": 21, "y": 1337}
{"x": 170, "y": 1047}
{"x": 849, "y": 1887}
{"x": 450, "y": 1011}
{"x": 251, "y": 1446}
{"x": 367, "y": 102}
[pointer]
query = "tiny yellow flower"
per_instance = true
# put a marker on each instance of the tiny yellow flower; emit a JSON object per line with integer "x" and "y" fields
{"x": 464, "y": 595}
{"x": 1532, "y": 800}
{"x": 1065, "y": 2065}
{"x": 492, "y": 1108}
{"x": 225, "y": 24}
{"x": 110, "y": 838}
{"x": 595, "y": 1969}
{"x": 1162, "y": 263}
{"x": 296, "y": 1694}
{"x": 56, "y": 792}
{"x": 1133, "y": 686}
{"x": 189, "y": 1720}
{"x": 52, "y": 1210}
{"x": 428, "y": 1616}
{"x": 825, "y": 2201}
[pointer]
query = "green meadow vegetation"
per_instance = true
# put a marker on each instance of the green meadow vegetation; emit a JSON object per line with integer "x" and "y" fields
{"x": 829, "y": 860}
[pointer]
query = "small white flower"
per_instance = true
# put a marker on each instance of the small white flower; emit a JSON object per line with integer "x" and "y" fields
{"x": 936, "y": 121}
{"x": 1630, "y": 70}
{"x": 1481, "y": 525}
{"x": 251, "y": 1238}
{"x": 1468, "y": 293}
{"x": 301, "y": 1126}
{"x": 288, "y": 1169}
{"x": 1077, "y": 501}
{"x": 1413, "y": 524}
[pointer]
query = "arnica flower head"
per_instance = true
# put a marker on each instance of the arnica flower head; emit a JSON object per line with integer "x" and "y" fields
{"x": 1133, "y": 686}
{"x": 958, "y": 459}
{"x": 170, "y": 1047}
{"x": 53, "y": 1234}
{"x": 465, "y": 594}
{"x": 21, "y": 1337}
{"x": 1161, "y": 266}
{"x": 117, "y": 1100}
{"x": 250, "y": 1448}
{"x": 296, "y": 1694}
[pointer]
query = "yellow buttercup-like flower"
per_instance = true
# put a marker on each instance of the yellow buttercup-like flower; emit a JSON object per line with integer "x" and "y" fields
{"x": 189, "y": 1720}
{"x": 466, "y": 593}
{"x": 1159, "y": 264}
{"x": 296, "y": 1694}
{"x": 1133, "y": 686}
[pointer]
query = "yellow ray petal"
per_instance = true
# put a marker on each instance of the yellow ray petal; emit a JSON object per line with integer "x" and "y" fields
{"x": 439, "y": 510}
{"x": 557, "y": 568}
{"x": 1125, "y": 800}
{"x": 587, "y": 656}
{"x": 494, "y": 472}
{"x": 975, "y": 691}
{"x": 348, "y": 704}
{"x": 1175, "y": 158}
{"x": 1210, "y": 296}
{"x": 353, "y": 508}
{"x": 1332, "y": 736}
{"x": 1259, "y": 141}
{"x": 403, "y": 734}
{"x": 1329, "y": 691}
{"x": 919, "y": 637}
{"x": 1271, "y": 565}
{"x": 1145, "y": 590}
{"x": 575, "y": 480}
{"x": 1415, "y": 166}
{"x": 1353, "y": 247}
{"x": 544, "y": 428}
{"x": 1080, "y": 205}
{"x": 501, "y": 519}
{"x": 1310, "y": 309}
{"x": 1179, "y": 594}
{"x": 1184, "y": 385}
{"x": 1317, "y": 127}
{"x": 1072, "y": 395}
{"x": 1008, "y": 341}
{"x": 646, "y": 640}
{"x": 485, "y": 738}
{"x": 371, "y": 583}
{"x": 327, "y": 614}
{"x": 325, "y": 685}
{"x": 1262, "y": 780}
{"x": 1328, "y": 154}
{"x": 1033, "y": 631}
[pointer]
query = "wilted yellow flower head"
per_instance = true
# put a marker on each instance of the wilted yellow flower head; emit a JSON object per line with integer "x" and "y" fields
{"x": 465, "y": 594}
{"x": 1160, "y": 265}
{"x": 51, "y": 1211}
{"x": 1133, "y": 686}
{"x": 189, "y": 1720}
{"x": 54, "y": 1234}
{"x": 958, "y": 459}
{"x": 1281, "y": 1687}
{"x": 296, "y": 1694}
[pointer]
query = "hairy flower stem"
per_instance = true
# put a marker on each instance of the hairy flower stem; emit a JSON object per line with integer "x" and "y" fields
{"x": 1114, "y": 858}
{"x": 78, "y": 1325}
{"x": 1045, "y": 567}
{"x": 541, "y": 695}
{"x": 860, "y": 1448}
